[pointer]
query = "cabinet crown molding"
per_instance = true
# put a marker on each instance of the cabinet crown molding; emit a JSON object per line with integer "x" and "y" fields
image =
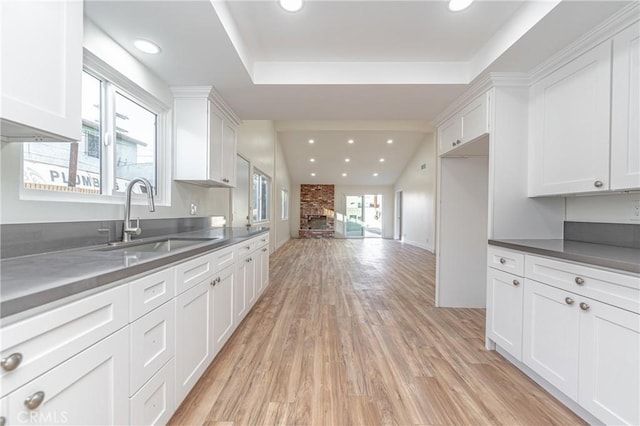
{"x": 599, "y": 34}
{"x": 207, "y": 92}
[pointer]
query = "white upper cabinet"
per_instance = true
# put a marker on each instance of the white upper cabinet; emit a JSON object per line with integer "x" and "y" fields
{"x": 41, "y": 44}
{"x": 205, "y": 138}
{"x": 584, "y": 134}
{"x": 469, "y": 123}
{"x": 569, "y": 139}
{"x": 625, "y": 114}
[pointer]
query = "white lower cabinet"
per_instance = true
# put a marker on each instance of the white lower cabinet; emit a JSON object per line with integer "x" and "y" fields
{"x": 262, "y": 277}
{"x": 244, "y": 287}
{"x": 89, "y": 389}
{"x": 221, "y": 300}
{"x": 152, "y": 344}
{"x": 193, "y": 319}
{"x": 155, "y": 403}
{"x": 504, "y": 311}
{"x": 551, "y": 338}
{"x": 609, "y": 375}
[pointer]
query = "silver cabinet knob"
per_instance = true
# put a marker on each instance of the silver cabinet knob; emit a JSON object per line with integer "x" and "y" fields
{"x": 579, "y": 281}
{"x": 264, "y": 249}
{"x": 11, "y": 362}
{"x": 453, "y": 144}
{"x": 3, "y": 421}
{"x": 458, "y": 142}
{"x": 503, "y": 260}
{"x": 34, "y": 400}
{"x": 598, "y": 184}
{"x": 516, "y": 283}
{"x": 584, "y": 306}
{"x": 568, "y": 301}
{"x": 247, "y": 260}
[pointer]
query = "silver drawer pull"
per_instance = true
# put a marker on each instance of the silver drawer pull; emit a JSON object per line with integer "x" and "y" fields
{"x": 568, "y": 301}
{"x": 579, "y": 281}
{"x": 34, "y": 400}
{"x": 598, "y": 184}
{"x": 3, "y": 421}
{"x": 11, "y": 362}
{"x": 516, "y": 283}
{"x": 584, "y": 306}
{"x": 503, "y": 260}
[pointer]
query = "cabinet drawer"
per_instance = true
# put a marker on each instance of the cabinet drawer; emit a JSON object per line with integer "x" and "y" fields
{"x": 193, "y": 271}
{"x": 609, "y": 287}
{"x": 262, "y": 240}
{"x": 44, "y": 341}
{"x": 244, "y": 248}
{"x": 155, "y": 403}
{"x": 88, "y": 389}
{"x": 223, "y": 258}
{"x": 149, "y": 292}
{"x": 506, "y": 260}
{"x": 152, "y": 343}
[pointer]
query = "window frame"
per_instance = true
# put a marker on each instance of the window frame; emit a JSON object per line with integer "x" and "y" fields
{"x": 284, "y": 204}
{"x": 267, "y": 211}
{"x": 113, "y": 81}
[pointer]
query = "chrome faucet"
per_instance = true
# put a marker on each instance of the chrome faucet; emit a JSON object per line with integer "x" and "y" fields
{"x": 127, "y": 230}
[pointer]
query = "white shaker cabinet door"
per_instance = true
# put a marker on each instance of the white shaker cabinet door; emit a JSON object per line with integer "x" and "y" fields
{"x": 609, "y": 369}
{"x": 193, "y": 318}
{"x": 89, "y": 389}
{"x": 550, "y": 335}
{"x": 504, "y": 311}
{"x": 221, "y": 294}
{"x": 569, "y": 136}
{"x": 625, "y": 113}
{"x": 41, "y": 68}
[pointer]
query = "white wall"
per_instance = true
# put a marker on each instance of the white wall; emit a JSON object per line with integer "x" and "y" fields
{"x": 282, "y": 181}
{"x": 418, "y": 188}
{"x": 13, "y": 209}
{"x": 340, "y": 207}
{"x": 257, "y": 143}
{"x": 614, "y": 208}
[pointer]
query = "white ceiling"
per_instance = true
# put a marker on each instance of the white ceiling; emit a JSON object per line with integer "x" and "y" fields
{"x": 344, "y": 60}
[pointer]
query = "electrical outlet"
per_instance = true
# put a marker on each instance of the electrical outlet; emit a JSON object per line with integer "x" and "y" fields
{"x": 194, "y": 209}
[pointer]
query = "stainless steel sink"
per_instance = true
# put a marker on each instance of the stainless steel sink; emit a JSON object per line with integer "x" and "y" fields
{"x": 157, "y": 246}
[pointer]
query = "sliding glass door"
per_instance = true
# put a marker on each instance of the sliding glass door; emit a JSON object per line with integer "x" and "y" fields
{"x": 363, "y": 216}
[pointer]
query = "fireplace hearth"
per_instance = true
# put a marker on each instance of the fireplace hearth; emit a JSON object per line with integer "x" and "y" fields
{"x": 316, "y": 211}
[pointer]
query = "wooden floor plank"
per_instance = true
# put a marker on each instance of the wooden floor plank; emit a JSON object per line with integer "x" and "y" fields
{"x": 347, "y": 334}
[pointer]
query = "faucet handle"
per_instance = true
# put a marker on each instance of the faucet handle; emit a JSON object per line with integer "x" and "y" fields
{"x": 137, "y": 229}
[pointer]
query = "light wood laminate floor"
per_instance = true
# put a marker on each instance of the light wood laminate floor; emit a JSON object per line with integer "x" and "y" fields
{"x": 347, "y": 334}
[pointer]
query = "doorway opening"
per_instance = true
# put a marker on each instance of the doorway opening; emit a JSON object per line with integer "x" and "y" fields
{"x": 363, "y": 216}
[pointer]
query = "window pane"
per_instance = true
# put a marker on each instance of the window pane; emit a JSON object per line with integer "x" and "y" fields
{"x": 136, "y": 135}
{"x": 71, "y": 167}
{"x": 260, "y": 197}
{"x": 285, "y": 205}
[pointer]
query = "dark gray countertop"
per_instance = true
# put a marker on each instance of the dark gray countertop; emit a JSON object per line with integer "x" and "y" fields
{"x": 28, "y": 282}
{"x": 621, "y": 258}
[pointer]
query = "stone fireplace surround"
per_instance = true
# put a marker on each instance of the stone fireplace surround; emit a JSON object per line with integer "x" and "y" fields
{"x": 317, "y": 216}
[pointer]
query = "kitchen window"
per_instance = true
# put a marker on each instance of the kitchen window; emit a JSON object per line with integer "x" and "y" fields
{"x": 100, "y": 163}
{"x": 260, "y": 197}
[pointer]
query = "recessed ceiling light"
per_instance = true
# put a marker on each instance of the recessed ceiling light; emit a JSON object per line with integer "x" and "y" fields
{"x": 458, "y": 5}
{"x": 291, "y": 5}
{"x": 344, "y": 175}
{"x": 382, "y": 160}
{"x": 350, "y": 141}
{"x": 313, "y": 174}
{"x": 389, "y": 141}
{"x": 146, "y": 46}
{"x": 346, "y": 160}
{"x": 311, "y": 141}
{"x": 375, "y": 174}
{"x": 313, "y": 160}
